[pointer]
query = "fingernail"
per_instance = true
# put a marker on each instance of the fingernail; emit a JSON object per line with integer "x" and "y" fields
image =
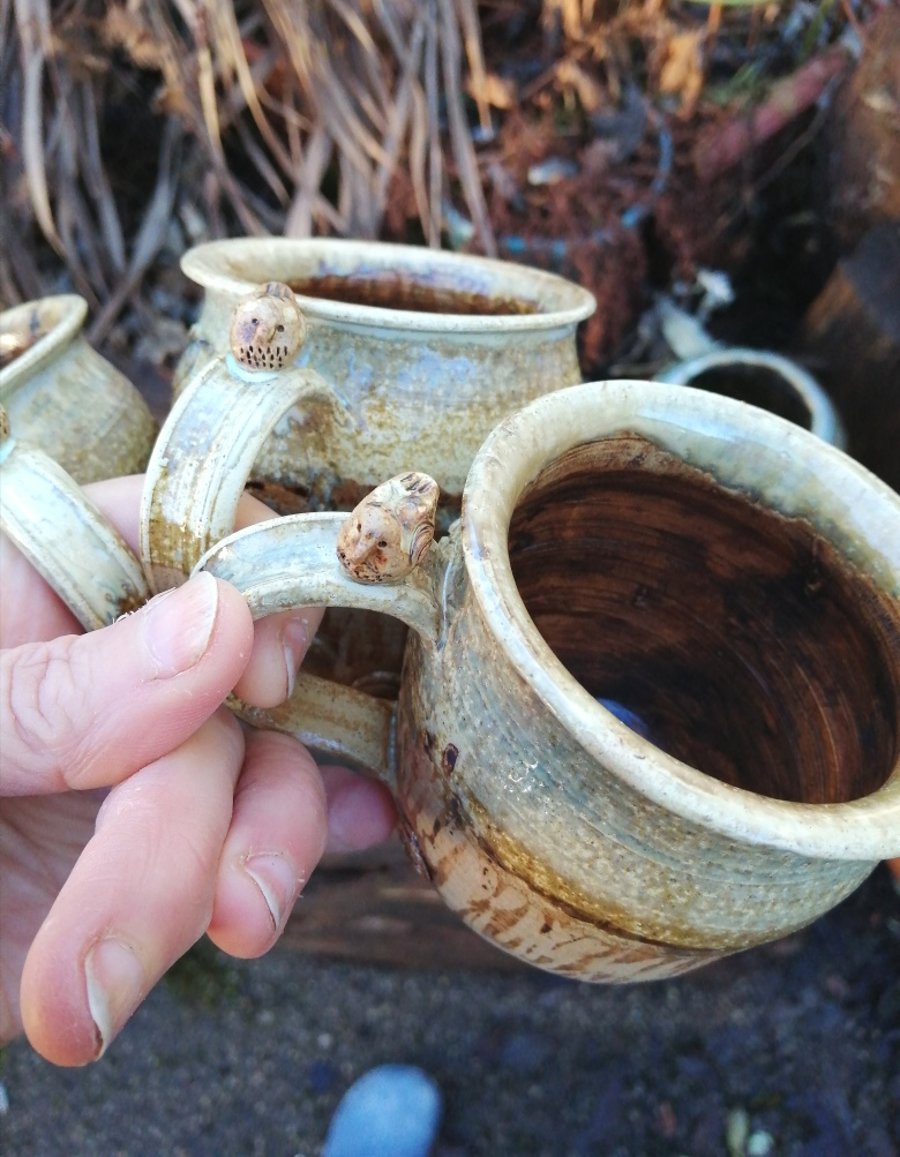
{"x": 115, "y": 985}
{"x": 294, "y": 645}
{"x": 277, "y": 881}
{"x": 179, "y": 624}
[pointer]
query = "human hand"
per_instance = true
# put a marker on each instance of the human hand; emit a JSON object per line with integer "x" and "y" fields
{"x": 135, "y": 813}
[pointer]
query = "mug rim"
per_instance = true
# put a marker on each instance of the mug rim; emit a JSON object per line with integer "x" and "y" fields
{"x": 211, "y": 265}
{"x": 678, "y": 418}
{"x": 68, "y": 323}
{"x": 822, "y": 415}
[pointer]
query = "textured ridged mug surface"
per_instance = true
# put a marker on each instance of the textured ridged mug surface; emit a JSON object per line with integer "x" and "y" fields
{"x": 720, "y": 574}
{"x": 66, "y": 399}
{"x": 425, "y": 350}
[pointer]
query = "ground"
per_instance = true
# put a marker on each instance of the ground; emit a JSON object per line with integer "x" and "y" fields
{"x": 792, "y": 1049}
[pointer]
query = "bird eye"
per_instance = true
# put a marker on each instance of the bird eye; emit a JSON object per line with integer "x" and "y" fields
{"x": 279, "y": 329}
{"x": 382, "y": 542}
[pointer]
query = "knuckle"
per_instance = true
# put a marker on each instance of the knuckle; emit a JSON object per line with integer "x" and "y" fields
{"x": 43, "y": 697}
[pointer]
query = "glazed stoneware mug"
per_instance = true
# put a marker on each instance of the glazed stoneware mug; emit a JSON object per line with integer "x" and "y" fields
{"x": 316, "y": 365}
{"x": 650, "y": 705}
{"x": 419, "y": 347}
{"x": 64, "y": 397}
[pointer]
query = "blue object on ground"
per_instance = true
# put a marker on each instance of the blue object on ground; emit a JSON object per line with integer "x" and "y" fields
{"x": 390, "y": 1111}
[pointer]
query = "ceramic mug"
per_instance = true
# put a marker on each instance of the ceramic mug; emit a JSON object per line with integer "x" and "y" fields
{"x": 650, "y": 704}
{"x": 420, "y": 347}
{"x": 396, "y": 346}
{"x": 63, "y": 397}
{"x": 759, "y": 377}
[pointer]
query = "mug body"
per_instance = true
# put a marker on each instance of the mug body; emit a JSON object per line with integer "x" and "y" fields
{"x": 66, "y": 399}
{"x": 662, "y": 722}
{"x": 425, "y": 350}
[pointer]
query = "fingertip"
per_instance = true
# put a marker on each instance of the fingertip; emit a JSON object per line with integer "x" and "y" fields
{"x": 254, "y": 898}
{"x": 224, "y": 644}
{"x": 235, "y": 617}
{"x": 276, "y": 838}
{"x": 280, "y": 643}
{"x": 361, "y": 811}
{"x": 55, "y": 1016}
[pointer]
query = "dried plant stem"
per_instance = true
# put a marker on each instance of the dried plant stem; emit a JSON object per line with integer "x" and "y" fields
{"x": 286, "y": 117}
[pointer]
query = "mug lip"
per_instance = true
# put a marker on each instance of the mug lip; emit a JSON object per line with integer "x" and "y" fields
{"x": 822, "y": 414}
{"x": 214, "y": 265}
{"x": 71, "y": 311}
{"x": 516, "y": 451}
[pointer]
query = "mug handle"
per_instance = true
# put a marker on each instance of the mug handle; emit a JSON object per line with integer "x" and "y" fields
{"x": 204, "y": 455}
{"x": 67, "y": 540}
{"x": 293, "y": 562}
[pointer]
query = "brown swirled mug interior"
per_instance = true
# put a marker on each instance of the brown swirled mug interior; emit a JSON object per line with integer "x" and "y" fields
{"x": 410, "y": 290}
{"x": 736, "y": 639}
{"x": 14, "y": 343}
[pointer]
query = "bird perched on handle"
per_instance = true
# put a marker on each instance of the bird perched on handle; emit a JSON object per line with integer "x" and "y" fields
{"x": 388, "y": 533}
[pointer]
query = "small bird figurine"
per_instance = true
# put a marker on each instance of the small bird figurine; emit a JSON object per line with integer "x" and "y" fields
{"x": 267, "y": 328}
{"x": 388, "y": 533}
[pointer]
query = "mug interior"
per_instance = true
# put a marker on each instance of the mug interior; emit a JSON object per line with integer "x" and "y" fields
{"x": 25, "y": 331}
{"x": 735, "y": 638}
{"x": 758, "y": 385}
{"x": 15, "y": 342}
{"x": 410, "y": 290}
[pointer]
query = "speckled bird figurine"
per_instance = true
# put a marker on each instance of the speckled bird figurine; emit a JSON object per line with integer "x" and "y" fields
{"x": 267, "y": 328}
{"x": 389, "y": 532}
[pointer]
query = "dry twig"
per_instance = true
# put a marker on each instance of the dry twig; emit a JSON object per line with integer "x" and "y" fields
{"x": 282, "y": 117}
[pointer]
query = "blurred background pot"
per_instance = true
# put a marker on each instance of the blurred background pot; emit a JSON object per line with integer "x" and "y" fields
{"x": 758, "y": 377}
{"x": 62, "y": 396}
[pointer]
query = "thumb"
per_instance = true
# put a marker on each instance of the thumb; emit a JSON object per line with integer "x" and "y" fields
{"x": 86, "y": 711}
